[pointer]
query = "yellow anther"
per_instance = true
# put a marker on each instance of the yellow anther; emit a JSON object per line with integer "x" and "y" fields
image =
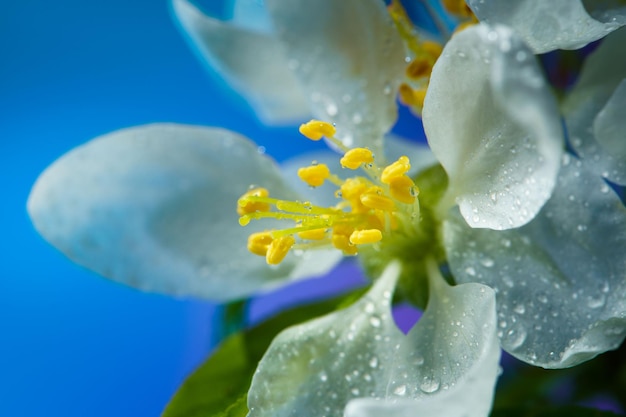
{"x": 316, "y": 129}
{"x": 247, "y": 206}
{"x": 341, "y": 241}
{"x": 419, "y": 68}
{"x": 432, "y": 49}
{"x": 403, "y": 189}
{"x": 314, "y": 175}
{"x": 457, "y": 7}
{"x": 375, "y": 199}
{"x": 355, "y": 157}
{"x": 361, "y": 237}
{"x": 410, "y": 97}
{"x": 315, "y": 234}
{"x": 278, "y": 249}
{"x": 258, "y": 243}
{"x": 397, "y": 169}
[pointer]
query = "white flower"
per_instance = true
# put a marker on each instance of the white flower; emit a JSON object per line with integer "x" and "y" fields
{"x": 154, "y": 206}
{"x": 554, "y": 24}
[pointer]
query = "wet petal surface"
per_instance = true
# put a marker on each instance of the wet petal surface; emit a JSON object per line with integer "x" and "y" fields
{"x": 560, "y": 281}
{"x": 594, "y": 113}
{"x": 494, "y": 126}
{"x": 358, "y": 357}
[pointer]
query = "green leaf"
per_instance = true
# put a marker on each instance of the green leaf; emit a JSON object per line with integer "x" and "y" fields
{"x": 568, "y": 411}
{"x": 219, "y": 387}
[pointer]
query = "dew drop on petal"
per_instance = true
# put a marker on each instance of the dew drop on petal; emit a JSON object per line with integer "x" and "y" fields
{"x": 400, "y": 390}
{"x": 373, "y": 362}
{"x": 429, "y": 385}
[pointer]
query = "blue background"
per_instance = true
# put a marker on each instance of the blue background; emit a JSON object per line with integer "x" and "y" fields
{"x": 72, "y": 343}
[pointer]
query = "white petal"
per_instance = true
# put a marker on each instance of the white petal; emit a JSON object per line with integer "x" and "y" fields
{"x": 251, "y": 62}
{"x": 494, "y": 126}
{"x": 609, "y": 126}
{"x": 154, "y": 207}
{"x": 358, "y": 354}
{"x": 251, "y": 14}
{"x": 554, "y": 24}
{"x": 602, "y": 74}
{"x": 560, "y": 280}
{"x": 349, "y": 59}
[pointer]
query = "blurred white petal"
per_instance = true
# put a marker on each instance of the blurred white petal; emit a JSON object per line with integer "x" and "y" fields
{"x": 553, "y": 24}
{"x": 154, "y": 207}
{"x": 349, "y": 59}
{"x": 251, "y": 62}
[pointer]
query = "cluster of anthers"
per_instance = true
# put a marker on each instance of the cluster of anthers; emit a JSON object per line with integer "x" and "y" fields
{"x": 370, "y": 206}
{"x": 423, "y": 53}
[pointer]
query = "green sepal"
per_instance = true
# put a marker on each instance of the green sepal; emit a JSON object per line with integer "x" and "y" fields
{"x": 218, "y": 388}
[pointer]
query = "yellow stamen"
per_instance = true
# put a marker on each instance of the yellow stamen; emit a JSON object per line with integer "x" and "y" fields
{"x": 360, "y": 237}
{"x": 410, "y": 97}
{"x": 258, "y": 243}
{"x": 397, "y": 169}
{"x": 457, "y": 7}
{"x": 368, "y": 206}
{"x": 403, "y": 189}
{"x": 419, "y": 68}
{"x": 432, "y": 49}
{"x": 375, "y": 199}
{"x": 354, "y": 158}
{"x": 341, "y": 239}
{"x": 246, "y": 206}
{"x": 315, "y": 234}
{"x": 314, "y": 175}
{"x": 316, "y": 129}
{"x": 278, "y": 249}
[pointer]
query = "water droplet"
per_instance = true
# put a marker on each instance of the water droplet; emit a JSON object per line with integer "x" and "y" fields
{"x": 516, "y": 338}
{"x": 596, "y": 302}
{"x": 373, "y": 362}
{"x": 470, "y": 271}
{"x": 429, "y": 385}
{"x": 261, "y": 150}
{"x": 375, "y": 321}
{"x": 519, "y": 309}
{"x": 355, "y": 391}
{"x": 400, "y": 390}
{"x": 331, "y": 109}
{"x": 418, "y": 360}
{"x": 323, "y": 376}
{"x": 369, "y": 307}
{"x": 543, "y": 298}
{"x": 387, "y": 88}
{"x": 487, "y": 262}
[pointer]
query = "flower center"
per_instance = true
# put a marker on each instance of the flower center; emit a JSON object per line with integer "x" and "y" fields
{"x": 370, "y": 208}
